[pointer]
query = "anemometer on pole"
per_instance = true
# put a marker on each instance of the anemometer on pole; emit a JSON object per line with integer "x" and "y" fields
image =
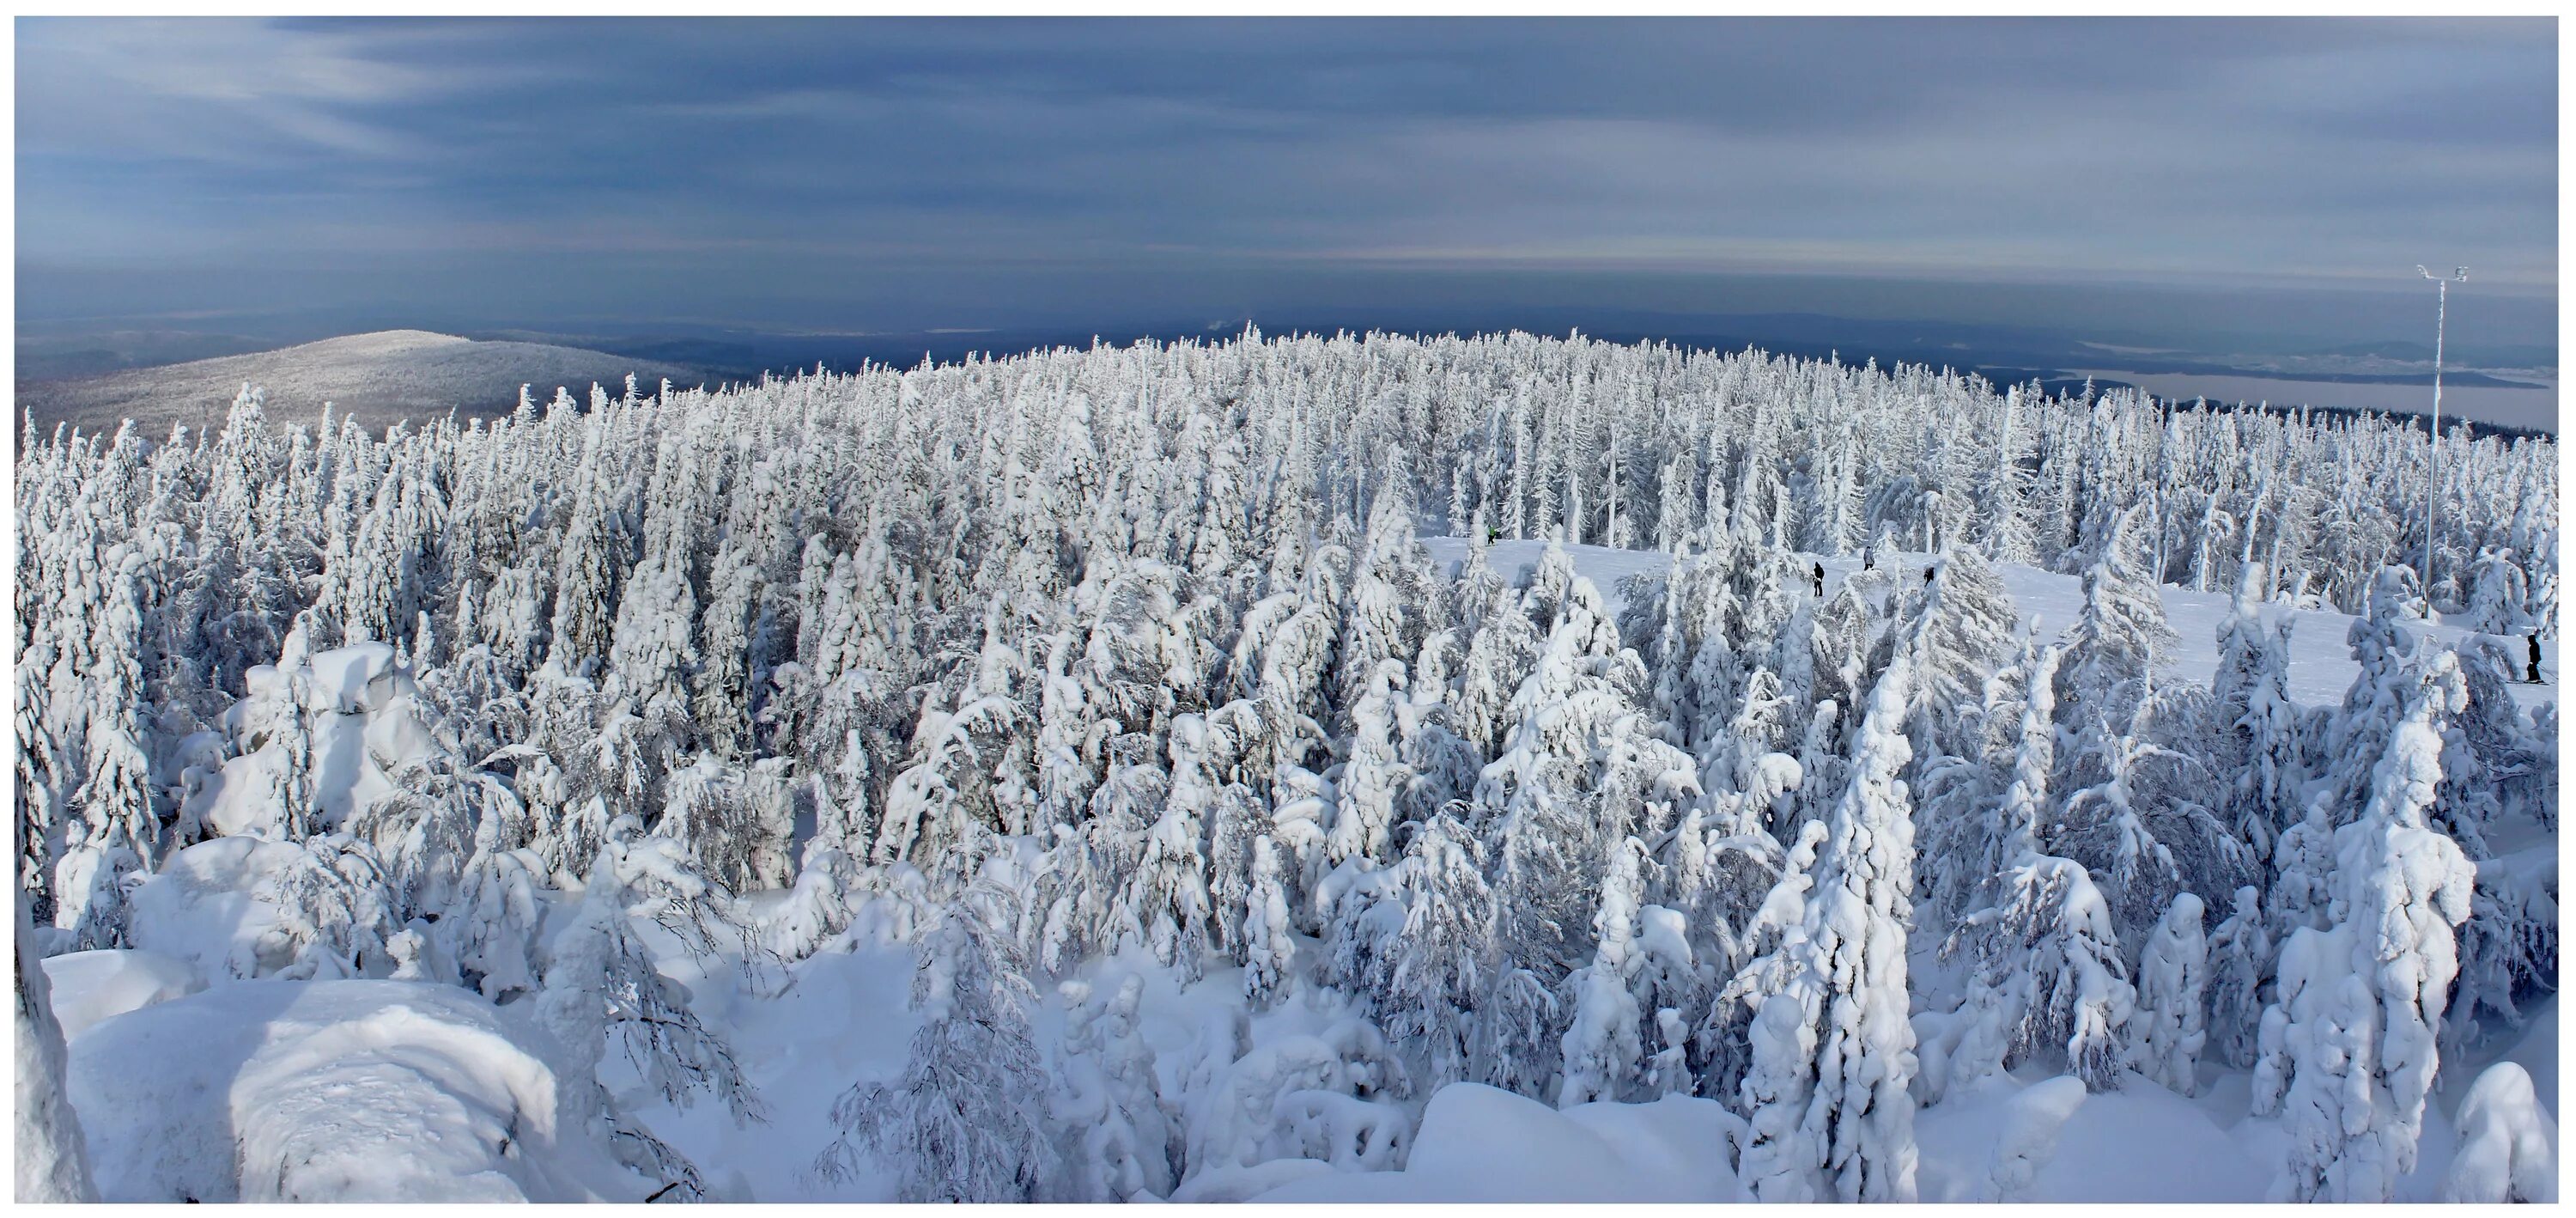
{"x": 2433, "y": 484}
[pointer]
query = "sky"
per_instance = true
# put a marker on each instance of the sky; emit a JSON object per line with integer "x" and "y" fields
{"x": 979, "y": 173}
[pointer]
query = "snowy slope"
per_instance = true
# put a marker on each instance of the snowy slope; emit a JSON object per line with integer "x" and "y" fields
{"x": 379, "y": 378}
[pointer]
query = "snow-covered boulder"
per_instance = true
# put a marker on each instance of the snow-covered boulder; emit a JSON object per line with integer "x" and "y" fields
{"x": 1480, "y": 1143}
{"x": 332, "y": 1091}
{"x": 357, "y": 713}
{"x": 92, "y": 986}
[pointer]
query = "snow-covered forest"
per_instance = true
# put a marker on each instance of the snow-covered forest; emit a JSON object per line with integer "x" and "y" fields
{"x": 1313, "y": 768}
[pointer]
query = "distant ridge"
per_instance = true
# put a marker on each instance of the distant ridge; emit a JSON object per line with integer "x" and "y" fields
{"x": 377, "y": 378}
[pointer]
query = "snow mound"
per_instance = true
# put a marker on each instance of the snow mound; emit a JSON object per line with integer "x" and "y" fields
{"x": 330, "y": 1091}
{"x": 1480, "y": 1143}
{"x": 245, "y": 907}
{"x": 2097, "y": 1156}
{"x": 90, "y": 987}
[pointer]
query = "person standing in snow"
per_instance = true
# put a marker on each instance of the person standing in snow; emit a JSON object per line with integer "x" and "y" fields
{"x": 2534, "y": 666}
{"x": 1820, "y": 579}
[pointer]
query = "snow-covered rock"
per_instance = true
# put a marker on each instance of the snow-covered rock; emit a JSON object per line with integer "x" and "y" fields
{"x": 358, "y": 712}
{"x": 331, "y": 1091}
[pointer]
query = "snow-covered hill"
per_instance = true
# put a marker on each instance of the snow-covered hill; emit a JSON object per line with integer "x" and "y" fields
{"x": 379, "y": 378}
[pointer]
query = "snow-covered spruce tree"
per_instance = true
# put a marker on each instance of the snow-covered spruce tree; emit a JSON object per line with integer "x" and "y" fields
{"x": 52, "y": 1157}
{"x": 1373, "y": 777}
{"x": 1604, "y": 1051}
{"x": 601, "y": 986}
{"x": 2362, "y": 1002}
{"x": 2257, "y": 730}
{"x": 2240, "y": 960}
{"x": 2113, "y": 647}
{"x": 2136, "y": 827}
{"x": 963, "y": 1123}
{"x": 1269, "y": 948}
{"x": 1542, "y": 802}
{"x": 1446, "y": 952}
{"x": 2500, "y": 595}
{"x": 1169, "y": 890}
{"x": 2384, "y": 638}
{"x": 491, "y": 925}
{"x": 1119, "y": 1135}
{"x": 2169, "y": 1029}
{"x": 2046, "y": 972}
{"x": 1848, "y": 993}
{"x": 1953, "y": 628}
{"x": 1978, "y": 813}
{"x": 1764, "y": 948}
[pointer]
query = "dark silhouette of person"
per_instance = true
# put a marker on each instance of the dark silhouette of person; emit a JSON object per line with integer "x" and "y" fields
{"x": 1820, "y": 579}
{"x": 2534, "y": 640}
{"x": 1927, "y": 575}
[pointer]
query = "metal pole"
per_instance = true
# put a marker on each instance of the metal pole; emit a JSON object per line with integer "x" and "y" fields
{"x": 2433, "y": 479}
{"x": 2433, "y": 484}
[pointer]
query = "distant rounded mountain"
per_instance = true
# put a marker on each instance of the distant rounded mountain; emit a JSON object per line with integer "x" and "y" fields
{"x": 377, "y": 378}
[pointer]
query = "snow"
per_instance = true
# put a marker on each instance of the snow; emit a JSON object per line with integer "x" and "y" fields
{"x": 2321, "y": 663}
{"x": 1415, "y": 864}
{"x": 2031, "y": 1127}
{"x": 378, "y": 377}
{"x": 2508, "y": 1145}
{"x": 1482, "y": 1144}
{"x": 2099, "y": 1154}
{"x": 90, "y": 987}
{"x": 210, "y": 910}
{"x": 362, "y": 712}
{"x": 330, "y": 1091}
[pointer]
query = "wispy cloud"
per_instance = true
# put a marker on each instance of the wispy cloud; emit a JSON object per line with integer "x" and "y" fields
{"x": 800, "y": 158}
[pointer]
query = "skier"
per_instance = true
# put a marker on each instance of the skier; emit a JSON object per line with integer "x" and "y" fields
{"x": 2534, "y": 666}
{"x": 1820, "y": 579}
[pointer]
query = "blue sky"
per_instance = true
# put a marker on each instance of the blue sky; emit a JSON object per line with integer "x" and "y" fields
{"x": 909, "y": 174}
